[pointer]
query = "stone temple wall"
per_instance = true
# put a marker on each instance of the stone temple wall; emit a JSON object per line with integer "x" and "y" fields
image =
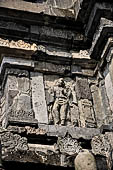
{"x": 56, "y": 84}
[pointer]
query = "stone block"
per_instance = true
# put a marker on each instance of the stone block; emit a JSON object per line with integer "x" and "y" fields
{"x": 111, "y": 70}
{"x": 16, "y": 61}
{"x": 97, "y": 105}
{"x": 87, "y": 118}
{"x": 50, "y": 67}
{"x": 103, "y": 145}
{"x": 109, "y": 88}
{"x": 38, "y": 97}
{"x": 82, "y": 88}
{"x": 75, "y": 132}
{"x": 105, "y": 104}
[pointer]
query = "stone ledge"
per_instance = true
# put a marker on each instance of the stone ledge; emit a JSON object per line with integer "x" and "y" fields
{"x": 37, "y": 8}
{"x": 75, "y": 132}
{"x": 99, "y": 10}
{"x": 99, "y": 41}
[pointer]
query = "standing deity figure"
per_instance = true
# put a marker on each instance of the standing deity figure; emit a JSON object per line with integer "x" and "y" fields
{"x": 61, "y": 102}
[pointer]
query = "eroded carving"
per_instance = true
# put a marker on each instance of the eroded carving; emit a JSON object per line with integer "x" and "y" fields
{"x": 103, "y": 145}
{"x": 11, "y": 142}
{"x": 20, "y": 44}
{"x": 69, "y": 146}
{"x": 19, "y": 96}
{"x": 62, "y": 103}
{"x": 87, "y": 118}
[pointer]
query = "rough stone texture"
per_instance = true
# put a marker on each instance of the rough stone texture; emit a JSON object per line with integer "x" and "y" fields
{"x": 17, "y": 104}
{"x": 75, "y": 132}
{"x": 82, "y": 88}
{"x": 53, "y": 68}
{"x": 61, "y": 101}
{"x": 109, "y": 87}
{"x": 111, "y": 68}
{"x": 97, "y": 105}
{"x": 19, "y": 47}
{"x": 12, "y": 142}
{"x": 55, "y": 100}
{"x": 69, "y": 146}
{"x": 38, "y": 97}
{"x": 103, "y": 145}
{"x": 87, "y": 117}
{"x": 85, "y": 160}
{"x": 105, "y": 104}
{"x": 16, "y": 61}
{"x": 32, "y": 7}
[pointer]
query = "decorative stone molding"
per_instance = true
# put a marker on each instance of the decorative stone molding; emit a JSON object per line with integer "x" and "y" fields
{"x": 20, "y": 44}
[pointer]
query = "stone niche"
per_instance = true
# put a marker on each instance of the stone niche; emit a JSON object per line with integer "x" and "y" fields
{"x": 69, "y": 102}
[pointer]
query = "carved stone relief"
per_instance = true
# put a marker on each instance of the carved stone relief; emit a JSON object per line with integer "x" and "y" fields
{"x": 18, "y": 98}
{"x": 69, "y": 146}
{"x": 87, "y": 118}
{"x": 20, "y": 44}
{"x": 11, "y": 142}
{"x": 103, "y": 145}
{"x": 61, "y": 101}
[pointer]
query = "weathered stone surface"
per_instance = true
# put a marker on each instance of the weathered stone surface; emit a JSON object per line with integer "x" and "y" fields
{"x": 85, "y": 160}
{"x": 111, "y": 67}
{"x": 28, "y": 130}
{"x": 87, "y": 117}
{"x": 38, "y": 97}
{"x": 104, "y": 23}
{"x": 62, "y": 102}
{"x": 34, "y": 131}
{"x": 82, "y": 88}
{"x": 16, "y": 61}
{"x": 69, "y": 146}
{"x": 16, "y": 101}
{"x": 53, "y": 32}
{"x": 105, "y": 104}
{"x": 68, "y": 107}
{"x": 75, "y": 132}
{"x": 41, "y": 7}
{"x": 17, "y": 72}
{"x": 61, "y": 3}
{"x": 103, "y": 145}
{"x": 100, "y": 145}
{"x": 100, "y": 116}
{"x": 19, "y": 46}
{"x": 12, "y": 142}
{"x": 19, "y": 99}
{"x": 53, "y": 68}
{"x": 109, "y": 87}
{"x": 13, "y": 26}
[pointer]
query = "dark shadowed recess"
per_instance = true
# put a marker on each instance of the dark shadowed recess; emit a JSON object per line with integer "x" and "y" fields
{"x": 32, "y": 166}
{"x": 35, "y": 1}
